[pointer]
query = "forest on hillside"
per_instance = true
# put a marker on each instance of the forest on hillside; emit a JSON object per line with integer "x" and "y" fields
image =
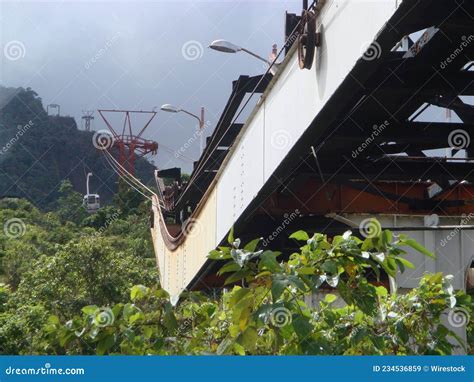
{"x": 38, "y": 151}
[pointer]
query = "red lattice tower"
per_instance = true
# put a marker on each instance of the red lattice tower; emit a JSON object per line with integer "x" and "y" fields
{"x": 129, "y": 145}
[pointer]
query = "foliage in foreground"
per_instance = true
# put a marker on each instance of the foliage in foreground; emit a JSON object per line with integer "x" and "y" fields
{"x": 266, "y": 310}
{"x": 55, "y": 263}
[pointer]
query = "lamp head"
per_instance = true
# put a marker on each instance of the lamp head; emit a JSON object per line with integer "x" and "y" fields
{"x": 224, "y": 46}
{"x": 170, "y": 108}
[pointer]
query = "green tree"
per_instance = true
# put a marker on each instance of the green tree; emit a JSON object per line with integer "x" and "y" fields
{"x": 70, "y": 208}
{"x": 265, "y": 312}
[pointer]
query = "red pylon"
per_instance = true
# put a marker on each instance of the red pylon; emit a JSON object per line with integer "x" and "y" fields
{"x": 129, "y": 145}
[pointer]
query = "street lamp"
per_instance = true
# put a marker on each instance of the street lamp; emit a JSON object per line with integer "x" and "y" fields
{"x": 227, "y": 47}
{"x": 174, "y": 109}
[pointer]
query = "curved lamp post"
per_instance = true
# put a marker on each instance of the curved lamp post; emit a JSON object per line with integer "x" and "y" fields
{"x": 174, "y": 109}
{"x": 228, "y": 47}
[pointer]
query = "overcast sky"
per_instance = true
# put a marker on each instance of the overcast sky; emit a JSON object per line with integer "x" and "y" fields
{"x": 87, "y": 55}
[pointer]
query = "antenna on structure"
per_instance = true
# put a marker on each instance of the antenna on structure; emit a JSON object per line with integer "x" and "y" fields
{"x": 87, "y": 117}
{"x": 54, "y": 106}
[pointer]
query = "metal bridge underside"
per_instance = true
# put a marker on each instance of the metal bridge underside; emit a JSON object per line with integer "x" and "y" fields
{"x": 393, "y": 174}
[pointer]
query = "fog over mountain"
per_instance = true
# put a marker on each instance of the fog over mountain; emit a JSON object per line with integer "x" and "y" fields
{"x": 85, "y": 55}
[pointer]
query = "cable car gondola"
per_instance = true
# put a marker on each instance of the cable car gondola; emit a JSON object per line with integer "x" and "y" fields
{"x": 91, "y": 202}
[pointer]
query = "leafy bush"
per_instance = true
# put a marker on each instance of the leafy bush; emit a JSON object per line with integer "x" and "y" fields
{"x": 55, "y": 263}
{"x": 266, "y": 309}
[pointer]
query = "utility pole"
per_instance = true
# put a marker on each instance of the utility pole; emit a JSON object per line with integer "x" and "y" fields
{"x": 88, "y": 116}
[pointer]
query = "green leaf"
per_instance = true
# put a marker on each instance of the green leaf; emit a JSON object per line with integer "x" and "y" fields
{"x": 300, "y": 236}
{"x": 279, "y": 283}
{"x": 147, "y": 332}
{"x": 365, "y": 298}
{"x": 239, "y": 294}
{"x": 55, "y": 320}
{"x": 302, "y": 326}
{"x": 387, "y": 237}
{"x": 403, "y": 263}
{"x": 89, "y": 309}
{"x": 330, "y": 266}
{"x": 251, "y": 246}
{"x": 381, "y": 291}
{"x": 402, "y": 331}
{"x": 219, "y": 255}
{"x": 231, "y": 266}
{"x": 169, "y": 319}
{"x": 230, "y": 238}
{"x": 138, "y": 292}
{"x": 330, "y": 298}
{"x": 306, "y": 271}
{"x": 416, "y": 246}
{"x": 268, "y": 261}
{"x": 248, "y": 339}
{"x": 105, "y": 344}
{"x": 237, "y": 276}
{"x": 136, "y": 317}
{"x": 358, "y": 334}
